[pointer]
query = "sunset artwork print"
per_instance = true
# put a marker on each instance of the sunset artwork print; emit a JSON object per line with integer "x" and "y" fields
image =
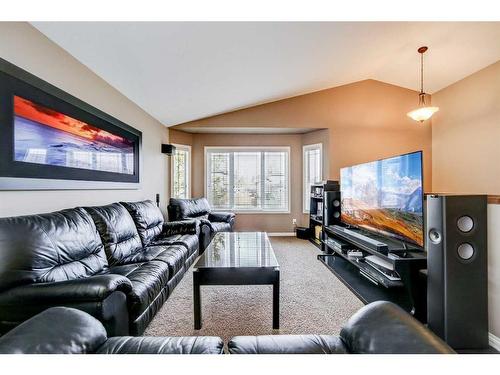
{"x": 385, "y": 196}
{"x": 45, "y": 136}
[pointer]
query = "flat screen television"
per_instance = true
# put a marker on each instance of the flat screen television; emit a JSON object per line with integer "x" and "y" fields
{"x": 386, "y": 197}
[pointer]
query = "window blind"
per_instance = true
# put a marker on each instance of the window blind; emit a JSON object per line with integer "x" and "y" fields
{"x": 312, "y": 160}
{"x": 180, "y": 172}
{"x": 248, "y": 180}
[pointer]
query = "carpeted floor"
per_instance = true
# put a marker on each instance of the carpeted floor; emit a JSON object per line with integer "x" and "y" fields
{"x": 312, "y": 300}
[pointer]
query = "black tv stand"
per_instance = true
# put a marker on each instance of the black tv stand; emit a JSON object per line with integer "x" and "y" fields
{"x": 366, "y": 281}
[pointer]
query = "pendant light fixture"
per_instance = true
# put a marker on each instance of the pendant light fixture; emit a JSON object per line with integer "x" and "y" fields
{"x": 423, "y": 112}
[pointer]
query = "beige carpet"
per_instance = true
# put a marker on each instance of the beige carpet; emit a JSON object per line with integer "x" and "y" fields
{"x": 312, "y": 300}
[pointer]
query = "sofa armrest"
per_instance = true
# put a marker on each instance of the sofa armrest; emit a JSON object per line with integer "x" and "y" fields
{"x": 286, "y": 344}
{"x": 225, "y": 217}
{"x": 206, "y": 223}
{"x": 384, "y": 328}
{"x": 58, "y": 330}
{"x": 94, "y": 288}
{"x": 163, "y": 345}
{"x": 180, "y": 227}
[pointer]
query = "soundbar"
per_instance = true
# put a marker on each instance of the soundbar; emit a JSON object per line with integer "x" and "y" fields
{"x": 359, "y": 238}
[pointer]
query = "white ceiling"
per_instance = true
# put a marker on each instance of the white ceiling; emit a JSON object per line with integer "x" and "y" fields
{"x": 182, "y": 71}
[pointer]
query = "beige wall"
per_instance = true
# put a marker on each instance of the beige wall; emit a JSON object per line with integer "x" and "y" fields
{"x": 366, "y": 121}
{"x": 466, "y": 135}
{"x": 27, "y": 48}
{"x": 466, "y": 155}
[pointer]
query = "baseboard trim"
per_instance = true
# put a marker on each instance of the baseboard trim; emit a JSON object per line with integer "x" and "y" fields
{"x": 281, "y": 234}
{"x": 494, "y": 341}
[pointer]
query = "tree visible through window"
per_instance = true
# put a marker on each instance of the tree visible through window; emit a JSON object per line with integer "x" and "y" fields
{"x": 248, "y": 179}
{"x": 181, "y": 171}
{"x": 312, "y": 160}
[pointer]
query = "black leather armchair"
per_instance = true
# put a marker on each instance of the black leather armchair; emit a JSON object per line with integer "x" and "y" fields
{"x": 61, "y": 330}
{"x": 378, "y": 328}
{"x": 199, "y": 209}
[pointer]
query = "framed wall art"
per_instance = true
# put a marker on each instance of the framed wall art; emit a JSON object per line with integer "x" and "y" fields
{"x": 52, "y": 140}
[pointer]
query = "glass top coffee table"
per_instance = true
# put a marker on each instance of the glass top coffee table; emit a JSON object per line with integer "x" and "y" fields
{"x": 237, "y": 258}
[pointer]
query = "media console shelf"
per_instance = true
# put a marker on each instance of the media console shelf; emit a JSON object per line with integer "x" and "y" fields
{"x": 359, "y": 273}
{"x": 317, "y": 204}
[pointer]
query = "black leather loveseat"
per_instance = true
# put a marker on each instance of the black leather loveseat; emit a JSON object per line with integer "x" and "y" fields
{"x": 378, "y": 328}
{"x": 199, "y": 209}
{"x": 118, "y": 262}
{"x": 62, "y": 330}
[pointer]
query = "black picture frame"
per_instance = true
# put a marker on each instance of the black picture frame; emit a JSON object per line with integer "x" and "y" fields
{"x": 20, "y": 175}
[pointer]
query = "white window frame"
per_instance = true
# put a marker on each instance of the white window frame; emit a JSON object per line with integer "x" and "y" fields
{"x": 250, "y": 148}
{"x": 306, "y": 191}
{"x": 188, "y": 167}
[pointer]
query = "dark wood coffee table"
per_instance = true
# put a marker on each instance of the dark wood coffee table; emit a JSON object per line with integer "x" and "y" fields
{"x": 237, "y": 258}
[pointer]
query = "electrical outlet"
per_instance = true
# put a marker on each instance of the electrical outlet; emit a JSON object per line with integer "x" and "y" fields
{"x": 294, "y": 221}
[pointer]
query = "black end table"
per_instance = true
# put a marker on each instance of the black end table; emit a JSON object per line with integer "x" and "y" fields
{"x": 237, "y": 258}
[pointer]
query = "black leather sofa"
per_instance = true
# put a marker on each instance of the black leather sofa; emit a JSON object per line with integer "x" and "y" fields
{"x": 199, "y": 209}
{"x": 118, "y": 262}
{"x": 378, "y": 328}
{"x": 61, "y": 330}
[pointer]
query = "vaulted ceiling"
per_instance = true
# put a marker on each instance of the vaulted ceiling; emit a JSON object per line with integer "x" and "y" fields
{"x": 183, "y": 71}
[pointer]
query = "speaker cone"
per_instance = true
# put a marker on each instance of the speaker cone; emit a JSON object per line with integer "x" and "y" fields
{"x": 465, "y": 223}
{"x": 465, "y": 251}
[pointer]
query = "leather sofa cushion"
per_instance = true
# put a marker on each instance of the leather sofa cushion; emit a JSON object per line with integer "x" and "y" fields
{"x": 118, "y": 231}
{"x": 58, "y": 330}
{"x": 385, "y": 328}
{"x": 148, "y": 219}
{"x": 286, "y": 344}
{"x": 58, "y": 246}
{"x": 173, "y": 255}
{"x": 163, "y": 345}
{"x": 148, "y": 280}
{"x": 189, "y": 241}
{"x": 182, "y": 209}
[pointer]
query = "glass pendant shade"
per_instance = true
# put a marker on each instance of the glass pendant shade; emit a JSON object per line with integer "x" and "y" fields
{"x": 423, "y": 113}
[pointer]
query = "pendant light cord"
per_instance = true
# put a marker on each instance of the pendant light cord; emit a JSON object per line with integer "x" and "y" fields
{"x": 421, "y": 73}
{"x": 421, "y": 97}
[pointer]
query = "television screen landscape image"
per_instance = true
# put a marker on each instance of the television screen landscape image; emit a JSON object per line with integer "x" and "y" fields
{"x": 45, "y": 136}
{"x": 385, "y": 196}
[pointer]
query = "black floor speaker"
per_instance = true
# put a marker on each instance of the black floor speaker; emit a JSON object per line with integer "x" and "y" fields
{"x": 331, "y": 208}
{"x": 457, "y": 269}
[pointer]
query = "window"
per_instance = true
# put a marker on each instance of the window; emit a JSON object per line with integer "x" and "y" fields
{"x": 181, "y": 170}
{"x": 247, "y": 179}
{"x": 312, "y": 161}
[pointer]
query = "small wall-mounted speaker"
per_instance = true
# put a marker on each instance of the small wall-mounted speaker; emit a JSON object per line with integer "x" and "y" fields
{"x": 457, "y": 269}
{"x": 167, "y": 149}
